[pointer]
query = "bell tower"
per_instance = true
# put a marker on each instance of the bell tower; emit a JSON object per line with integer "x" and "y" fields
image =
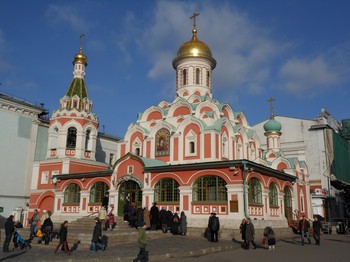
{"x": 73, "y": 126}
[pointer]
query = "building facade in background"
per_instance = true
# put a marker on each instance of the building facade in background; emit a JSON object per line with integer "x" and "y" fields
{"x": 322, "y": 145}
{"x": 23, "y": 136}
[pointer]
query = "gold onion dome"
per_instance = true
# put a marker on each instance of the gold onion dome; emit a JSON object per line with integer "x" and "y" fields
{"x": 194, "y": 48}
{"x": 80, "y": 58}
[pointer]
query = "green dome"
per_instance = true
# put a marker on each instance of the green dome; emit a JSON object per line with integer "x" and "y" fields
{"x": 272, "y": 126}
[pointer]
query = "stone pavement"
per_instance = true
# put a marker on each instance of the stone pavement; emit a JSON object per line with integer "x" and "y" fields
{"x": 177, "y": 247}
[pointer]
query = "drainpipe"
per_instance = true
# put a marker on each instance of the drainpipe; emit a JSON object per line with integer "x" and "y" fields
{"x": 245, "y": 193}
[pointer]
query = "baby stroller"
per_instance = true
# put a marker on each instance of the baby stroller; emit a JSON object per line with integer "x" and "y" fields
{"x": 18, "y": 241}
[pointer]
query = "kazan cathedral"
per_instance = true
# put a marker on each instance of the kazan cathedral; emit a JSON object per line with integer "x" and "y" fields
{"x": 193, "y": 154}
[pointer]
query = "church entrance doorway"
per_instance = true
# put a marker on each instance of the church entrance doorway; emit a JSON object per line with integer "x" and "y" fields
{"x": 288, "y": 205}
{"x": 130, "y": 194}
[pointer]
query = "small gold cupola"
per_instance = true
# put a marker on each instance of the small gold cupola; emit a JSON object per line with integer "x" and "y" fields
{"x": 194, "y": 48}
{"x": 80, "y": 57}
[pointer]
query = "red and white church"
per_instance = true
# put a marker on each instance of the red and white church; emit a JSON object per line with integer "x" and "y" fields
{"x": 193, "y": 154}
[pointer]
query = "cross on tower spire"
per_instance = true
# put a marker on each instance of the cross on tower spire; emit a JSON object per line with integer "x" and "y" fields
{"x": 81, "y": 42}
{"x": 272, "y": 115}
{"x": 194, "y": 19}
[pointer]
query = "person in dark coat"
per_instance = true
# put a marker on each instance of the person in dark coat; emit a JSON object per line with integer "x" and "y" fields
{"x": 316, "y": 226}
{"x": 183, "y": 224}
{"x": 174, "y": 229}
{"x": 154, "y": 216}
{"x": 249, "y": 234}
{"x": 242, "y": 227}
{"x": 9, "y": 229}
{"x": 163, "y": 220}
{"x": 96, "y": 236}
{"x": 105, "y": 201}
{"x": 62, "y": 235}
{"x": 214, "y": 227}
{"x": 47, "y": 228}
{"x": 139, "y": 215}
{"x": 270, "y": 238}
{"x": 303, "y": 228}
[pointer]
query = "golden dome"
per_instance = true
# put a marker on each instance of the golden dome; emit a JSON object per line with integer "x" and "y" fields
{"x": 80, "y": 58}
{"x": 194, "y": 48}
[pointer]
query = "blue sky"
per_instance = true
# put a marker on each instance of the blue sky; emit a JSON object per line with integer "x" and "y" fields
{"x": 295, "y": 51}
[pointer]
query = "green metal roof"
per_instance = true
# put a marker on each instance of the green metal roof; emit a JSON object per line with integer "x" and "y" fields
{"x": 77, "y": 88}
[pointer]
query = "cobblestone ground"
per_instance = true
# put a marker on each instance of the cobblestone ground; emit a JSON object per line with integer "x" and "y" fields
{"x": 176, "y": 248}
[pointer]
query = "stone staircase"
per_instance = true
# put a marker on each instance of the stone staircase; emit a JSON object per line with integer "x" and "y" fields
{"x": 80, "y": 233}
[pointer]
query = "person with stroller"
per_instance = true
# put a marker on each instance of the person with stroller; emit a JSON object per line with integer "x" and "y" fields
{"x": 9, "y": 229}
{"x": 62, "y": 235}
{"x": 33, "y": 221}
{"x": 47, "y": 228}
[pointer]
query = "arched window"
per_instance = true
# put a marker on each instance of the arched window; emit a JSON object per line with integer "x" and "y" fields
{"x": 209, "y": 189}
{"x": 97, "y": 192}
{"x": 208, "y": 78}
{"x": 54, "y": 138}
{"x": 167, "y": 190}
{"x": 72, "y": 194}
{"x": 163, "y": 142}
{"x": 254, "y": 192}
{"x": 71, "y": 137}
{"x": 288, "y": 203}
{"x": 184, "y": 77}
{"x": 197, "y": 76}
{"x": 273, "y": 195}
{"x": 137, "y": 151}
{"x": 87, "y": 140}
{"x": 192, "y": 147}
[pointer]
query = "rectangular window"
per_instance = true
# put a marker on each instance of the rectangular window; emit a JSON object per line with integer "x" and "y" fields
{"x": 45, "y": 177}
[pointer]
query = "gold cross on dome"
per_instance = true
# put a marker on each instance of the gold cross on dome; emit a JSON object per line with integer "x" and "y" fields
{"x": 194, "y": 19}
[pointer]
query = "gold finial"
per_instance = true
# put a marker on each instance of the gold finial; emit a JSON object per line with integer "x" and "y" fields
{"x": 272, "y": 115}
{"x": 81, "y": 42}
{"x": 194, "y": 19}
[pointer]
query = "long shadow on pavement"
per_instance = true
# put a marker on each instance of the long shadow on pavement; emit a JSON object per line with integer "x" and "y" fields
{"x": 14, "y": 255}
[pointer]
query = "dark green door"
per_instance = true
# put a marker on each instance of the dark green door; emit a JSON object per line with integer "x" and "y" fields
{"x": 130, "y": 193}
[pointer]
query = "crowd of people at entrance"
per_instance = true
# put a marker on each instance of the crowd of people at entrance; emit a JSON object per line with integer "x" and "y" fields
{"x": 155, "y": 219}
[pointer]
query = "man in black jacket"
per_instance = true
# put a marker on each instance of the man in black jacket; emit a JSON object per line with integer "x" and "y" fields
{"x": 214, "y": 227}
{"x": 9, "y": 229}
{"x": 96, "y": 236}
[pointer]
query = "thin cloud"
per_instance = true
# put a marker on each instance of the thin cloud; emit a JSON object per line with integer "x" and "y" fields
{"x": 308, "y": 76}
{"x": 243, "y": 50}
{"x": 67, "y": 14}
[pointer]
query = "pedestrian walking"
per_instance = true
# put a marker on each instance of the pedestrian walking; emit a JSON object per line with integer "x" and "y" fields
{"x": 96, "y": 236}
{"x": 111, "y": 219}
{"x": 9, "y": 229}
{"x": 142, "y": 242}
{"x": 33, "y": 221}
{"x": 62, "y": 235}
{"x": 270, "y": 238}
{"x": 214, "y": 227}
{"x": 242, "y": 228}
{"x": 316, "y": 226}
{"x": 249, "y": 234}
{"x": 47, "y": 228}
{"x": 303, "y": 228}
